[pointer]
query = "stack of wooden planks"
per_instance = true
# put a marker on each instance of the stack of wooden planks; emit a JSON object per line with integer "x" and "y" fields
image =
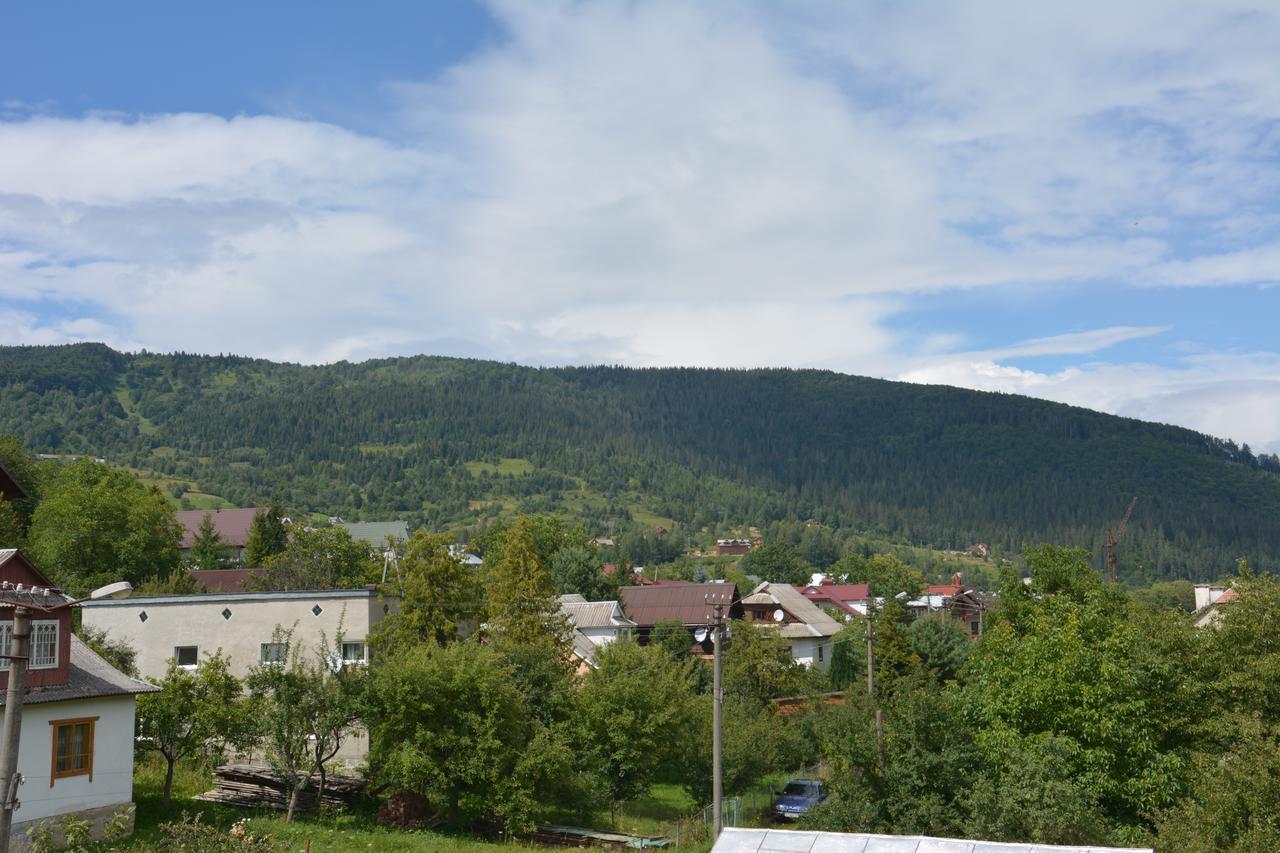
{"x": 257, "y": 786}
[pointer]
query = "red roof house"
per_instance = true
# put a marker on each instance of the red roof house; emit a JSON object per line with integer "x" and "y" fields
{"x": 232, "y": 525}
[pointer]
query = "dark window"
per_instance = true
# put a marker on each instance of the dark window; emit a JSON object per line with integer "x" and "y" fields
{"x": 187, "y": 655}
{"x": 273, "y": 652}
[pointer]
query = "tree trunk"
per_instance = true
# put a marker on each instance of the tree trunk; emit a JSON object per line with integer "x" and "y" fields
{"x": 293, "y": 802}
{"x": 168, "y": 780}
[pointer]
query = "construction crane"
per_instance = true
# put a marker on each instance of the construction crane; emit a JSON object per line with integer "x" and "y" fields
{"x": 1113, "y": 539}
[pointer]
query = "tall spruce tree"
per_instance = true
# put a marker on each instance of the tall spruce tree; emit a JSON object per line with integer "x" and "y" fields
{"x": 207, "y": 551}
{"x": 521, "y": 599}
{"x": 267, "y": 537}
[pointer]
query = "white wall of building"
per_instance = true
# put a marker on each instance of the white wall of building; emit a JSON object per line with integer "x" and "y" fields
{"x": 806, "y": 651}
{"x": 197, "y": 620}
{"x": 112, "y": 758}
{"x": 601, "y": 636}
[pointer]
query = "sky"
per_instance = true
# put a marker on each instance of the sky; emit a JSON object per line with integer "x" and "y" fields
{"x": 1079, "y": 202}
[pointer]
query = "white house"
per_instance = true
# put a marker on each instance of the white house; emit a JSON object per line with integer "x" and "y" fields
{"x": 595, "y": 624}
{"x": 242, "y": 625}
{"x": 782, "y": 607}
{"x": 75, "y": 751}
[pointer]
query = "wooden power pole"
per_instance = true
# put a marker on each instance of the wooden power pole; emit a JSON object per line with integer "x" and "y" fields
{"x": 717, "y": 698}
{"x": 9, "y": 776}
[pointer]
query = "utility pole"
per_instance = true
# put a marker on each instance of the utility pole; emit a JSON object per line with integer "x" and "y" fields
{"x": 717, "y": 697}
{"x": 871, "y": 688}
{"x": 9, "y": 776}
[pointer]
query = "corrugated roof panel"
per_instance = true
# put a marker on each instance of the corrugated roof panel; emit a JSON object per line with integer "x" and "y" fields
{"x": 736, "y": 840}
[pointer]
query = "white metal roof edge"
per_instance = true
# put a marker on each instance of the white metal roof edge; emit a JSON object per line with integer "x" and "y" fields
{"x": 213, "y": 597}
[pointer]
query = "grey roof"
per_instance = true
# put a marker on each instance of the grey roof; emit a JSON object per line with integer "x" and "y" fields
{"x": 594, "y": 614}
{"x": 814, "y": 621}
{"x": 583, "y": 649}
{"x": 224, "y": 597}
{"x": 89, "y": 677}
{"x": 376, "y": 532}
{"x": 735, "y": 840}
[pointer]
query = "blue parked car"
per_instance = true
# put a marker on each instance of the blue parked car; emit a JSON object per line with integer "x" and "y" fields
{"x": 798, "y": 798}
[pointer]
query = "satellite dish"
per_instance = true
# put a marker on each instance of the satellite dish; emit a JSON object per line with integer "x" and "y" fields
{"x": 700, "y": 635}
{"x": 119, "y": 589}
{"x": 778, "y": 615}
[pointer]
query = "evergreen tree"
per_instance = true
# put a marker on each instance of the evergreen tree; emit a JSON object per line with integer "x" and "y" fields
{"x": 207, "y": 551}
{"x": 267, "y": 537}
{"x": 520, "y": 598}
{"x": 438, "y": 592}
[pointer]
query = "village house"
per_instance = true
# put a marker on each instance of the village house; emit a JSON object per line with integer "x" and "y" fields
{"x": 186, "y": 628}
{"x": 75, "y": 751}
{"x": 784, "y": 609}
{"x": 595, "y": 624}
{"x": 967, "y": 606}
{"x": 1210, "y": 599}
{"x": 842, "y": 600}
{"x": 732, "y": 547}
{"x": 232, "y": 526}
{"x": 691, "y": 605}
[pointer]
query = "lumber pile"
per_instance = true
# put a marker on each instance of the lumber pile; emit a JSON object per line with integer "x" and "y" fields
{"x": 256, "y": 786}
{"x": 554, "y": 835}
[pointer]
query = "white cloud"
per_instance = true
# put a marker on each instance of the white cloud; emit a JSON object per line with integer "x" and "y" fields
{"x": 1236, "y": 396}
{"x": 670, "y": 183}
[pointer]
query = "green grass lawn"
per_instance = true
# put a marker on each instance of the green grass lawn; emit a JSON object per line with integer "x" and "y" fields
{"x": 338, "y": 832}
{"x": 652, "y": 815}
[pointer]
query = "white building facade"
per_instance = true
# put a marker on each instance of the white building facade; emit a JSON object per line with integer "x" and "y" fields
{"x": 240, "y": 624}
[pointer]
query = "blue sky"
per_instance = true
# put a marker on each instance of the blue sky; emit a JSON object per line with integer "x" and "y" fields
{"x": 1074, "y": 203}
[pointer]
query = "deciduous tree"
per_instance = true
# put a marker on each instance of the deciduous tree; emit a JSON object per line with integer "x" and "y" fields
{"x": 326, "y": 558}
{"x": 194, "y": 711}
{"x": 97, "y": 524}
{"x": 438, "y": 593}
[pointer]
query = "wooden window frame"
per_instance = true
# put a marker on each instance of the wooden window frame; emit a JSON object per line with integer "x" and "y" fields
{"x": 55, "y": 725}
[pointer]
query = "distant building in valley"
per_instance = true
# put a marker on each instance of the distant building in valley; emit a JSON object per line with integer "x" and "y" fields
{"x": 232, "y": 526}
{"x": 732, "y": 547}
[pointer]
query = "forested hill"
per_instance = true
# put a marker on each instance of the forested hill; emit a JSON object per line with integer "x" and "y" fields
{"x": 447, "y": 442}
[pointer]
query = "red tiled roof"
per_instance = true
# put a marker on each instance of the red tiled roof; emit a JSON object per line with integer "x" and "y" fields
{"x": 837, "y": 591}
{"x": 232, "y": 525}
{"x": 956, "y": 585}
{"x": 225, "y": 580}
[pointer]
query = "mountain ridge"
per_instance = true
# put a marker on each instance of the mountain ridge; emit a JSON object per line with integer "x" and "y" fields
{"x": 704, "y": 447}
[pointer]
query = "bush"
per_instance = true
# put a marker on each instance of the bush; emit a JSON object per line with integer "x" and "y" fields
{"x": 190, "y": 835}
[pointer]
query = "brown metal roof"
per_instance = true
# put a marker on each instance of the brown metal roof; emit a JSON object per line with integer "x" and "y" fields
{"x": 688, "y": 604}
{"x": 232, "y": 525}
{"x": 225, "y": 580}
